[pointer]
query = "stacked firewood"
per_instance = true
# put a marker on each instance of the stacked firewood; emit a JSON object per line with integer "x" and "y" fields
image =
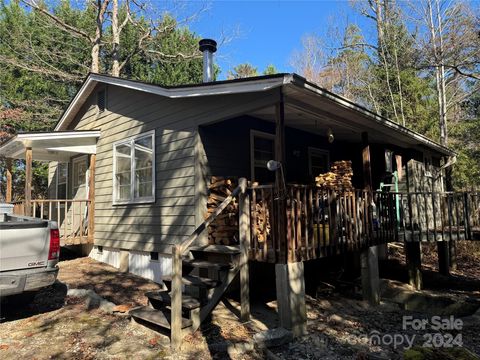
{"x": 224, "y": 229}
{"x": 339, "y": 178}
{"x": 261, "y": 221}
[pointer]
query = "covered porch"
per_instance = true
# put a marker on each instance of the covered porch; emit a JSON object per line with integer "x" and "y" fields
{"x": 74, "y": 214}
{"x": 399, "y": 189}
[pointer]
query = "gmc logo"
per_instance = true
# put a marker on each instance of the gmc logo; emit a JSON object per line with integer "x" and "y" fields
{"x": 36, "y": 263}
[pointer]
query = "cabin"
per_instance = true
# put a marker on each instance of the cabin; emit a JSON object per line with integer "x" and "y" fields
{"x": 165, "y": 181}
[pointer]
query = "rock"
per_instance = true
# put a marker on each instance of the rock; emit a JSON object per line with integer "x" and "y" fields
{"x": 335, "y": 319}
{"x": 93, "y": 300}
{"x": 273, "y": 337}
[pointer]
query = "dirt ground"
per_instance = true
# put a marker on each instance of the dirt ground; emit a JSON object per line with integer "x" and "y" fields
{"x": 57, "y": 326}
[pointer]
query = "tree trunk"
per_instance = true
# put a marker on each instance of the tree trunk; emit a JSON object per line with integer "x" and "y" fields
{"x": 102, "y": 8}
{"x": 115, "y": 40}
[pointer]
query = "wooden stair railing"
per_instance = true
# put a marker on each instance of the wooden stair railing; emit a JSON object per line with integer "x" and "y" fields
{"x": 179, "y": 250}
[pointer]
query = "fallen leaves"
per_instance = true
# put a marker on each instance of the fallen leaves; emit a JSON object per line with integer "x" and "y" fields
{"x": 122, "y": 308}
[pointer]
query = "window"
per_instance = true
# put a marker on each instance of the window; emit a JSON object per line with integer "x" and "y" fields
{"x": 133, "y": 172}
{"x": 318, "y": 162}
{"x": 62, "y": 176}
{"x": 79, "y": 174}
{"x": 262, "y": 150}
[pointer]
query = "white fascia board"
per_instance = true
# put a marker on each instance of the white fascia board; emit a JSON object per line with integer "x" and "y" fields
{"x": 58, "y": 135}
{"x": 85, "y": 149}
{"x": 60, "y": 141}
{"x": 181, "y": 92}
{"x": 194, "y": 91}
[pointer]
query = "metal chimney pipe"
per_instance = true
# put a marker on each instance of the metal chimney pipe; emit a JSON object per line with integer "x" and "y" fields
{"x": 207, "y": 47}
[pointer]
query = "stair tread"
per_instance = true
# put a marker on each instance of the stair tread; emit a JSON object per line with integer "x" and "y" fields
{"x": 217, "y": 249}
{"x": 206, "y": 264}
{"x": 160, "y": 318}
{"x": 193, "y": 280}
{"x": 188, "y": 302}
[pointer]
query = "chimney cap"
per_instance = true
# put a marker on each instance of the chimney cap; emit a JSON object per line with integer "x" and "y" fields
{"x": 207, "y": 45}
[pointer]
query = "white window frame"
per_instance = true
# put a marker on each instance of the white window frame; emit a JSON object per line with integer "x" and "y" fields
{"x": 133, "y": 200}
{"x": 259, "y": 134}
{"x": 77, "y": 160}
{"x": 317, "y": 151}
{"x": 66, "y": 180}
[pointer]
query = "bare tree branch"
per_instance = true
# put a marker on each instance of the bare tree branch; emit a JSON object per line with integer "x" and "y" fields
{"x": 55, "y": 74}
{"x": 62, "y": 24}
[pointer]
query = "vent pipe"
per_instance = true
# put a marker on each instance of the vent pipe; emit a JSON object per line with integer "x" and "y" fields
{"x": 207, "y": 47}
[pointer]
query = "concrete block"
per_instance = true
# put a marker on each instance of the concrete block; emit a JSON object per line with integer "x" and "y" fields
{"x": 273, "y": 337}
{"x": 124, "y": 261}
{"x": 292, "y": 310}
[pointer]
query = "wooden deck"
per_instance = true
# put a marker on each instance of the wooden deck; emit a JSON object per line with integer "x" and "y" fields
{"x": 325, "y": 223}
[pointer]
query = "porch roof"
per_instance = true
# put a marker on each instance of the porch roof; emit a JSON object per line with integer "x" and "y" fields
{"x": 51, "y": 146}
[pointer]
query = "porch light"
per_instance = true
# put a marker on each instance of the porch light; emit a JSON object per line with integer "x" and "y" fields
{"x": 330, "y": 135}
{"x": 273, "y": 165}
{"x": 281, "y": 192}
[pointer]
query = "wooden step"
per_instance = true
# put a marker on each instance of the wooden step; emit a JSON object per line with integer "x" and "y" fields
{"x": 161, "y": 318}
{"x": 216, "y": 249}
{"x": 204, "y": 264}
{"x": 193, "y": 280}
{"x": 188, "y": 302}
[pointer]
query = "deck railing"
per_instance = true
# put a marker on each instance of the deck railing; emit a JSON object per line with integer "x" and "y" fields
{"x": 71, "y": 215}
{"x": 438, "y": 216}
{"x": 322, "y": 223}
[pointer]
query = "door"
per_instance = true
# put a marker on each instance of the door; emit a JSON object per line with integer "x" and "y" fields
{"x": 78, "y": 210}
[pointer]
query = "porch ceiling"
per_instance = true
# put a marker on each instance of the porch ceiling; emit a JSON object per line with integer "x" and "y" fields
{"x": 305, "y": 110}
{"x": 51, "y": 146}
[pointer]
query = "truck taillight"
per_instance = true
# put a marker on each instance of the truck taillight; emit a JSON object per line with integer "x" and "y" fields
{"x": 54, "y": 251}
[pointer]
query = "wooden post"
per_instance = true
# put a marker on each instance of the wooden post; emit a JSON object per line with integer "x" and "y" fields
{"x": 370, "y": 275}
{"x": 244, "y": 232}
{"x": 414, "y": 263}
{"x": 176, "y": 306}
{"x": 367, "y": 166}
{"x": 8, "y": 194}
{"x": 28, "y": 181}
{"x": 451, "y": 253}
{"x": 285, "y": 253}
{"x": 443, "y": 257}
{"x": 91, "y": 197}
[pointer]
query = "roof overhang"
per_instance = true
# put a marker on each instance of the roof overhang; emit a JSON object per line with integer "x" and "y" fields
{"x": 239, "y": 86}
{"x": 51, "y": 146}
{"x": 359, "y": 116}
{"x": 347, "y": 113}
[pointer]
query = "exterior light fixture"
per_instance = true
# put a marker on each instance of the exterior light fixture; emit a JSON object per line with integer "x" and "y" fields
{"x": 281, "y": 191}
{"x": 330, "y": 135}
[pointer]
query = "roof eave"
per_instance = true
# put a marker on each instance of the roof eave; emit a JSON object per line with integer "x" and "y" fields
{"x": 344, "y": 102}
{"x": 263, "y": 83}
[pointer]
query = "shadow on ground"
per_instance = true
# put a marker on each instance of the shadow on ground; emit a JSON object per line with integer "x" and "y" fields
{"x": 30, "y": 304}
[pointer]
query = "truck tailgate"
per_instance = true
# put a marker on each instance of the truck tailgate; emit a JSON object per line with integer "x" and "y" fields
{"x": 24, "y": 245}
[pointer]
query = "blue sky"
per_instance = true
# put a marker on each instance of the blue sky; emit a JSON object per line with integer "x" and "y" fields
{"x": 270, "y": 31}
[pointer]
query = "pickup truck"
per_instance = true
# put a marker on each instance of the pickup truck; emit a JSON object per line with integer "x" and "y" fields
{"x": 29, "y": 253}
